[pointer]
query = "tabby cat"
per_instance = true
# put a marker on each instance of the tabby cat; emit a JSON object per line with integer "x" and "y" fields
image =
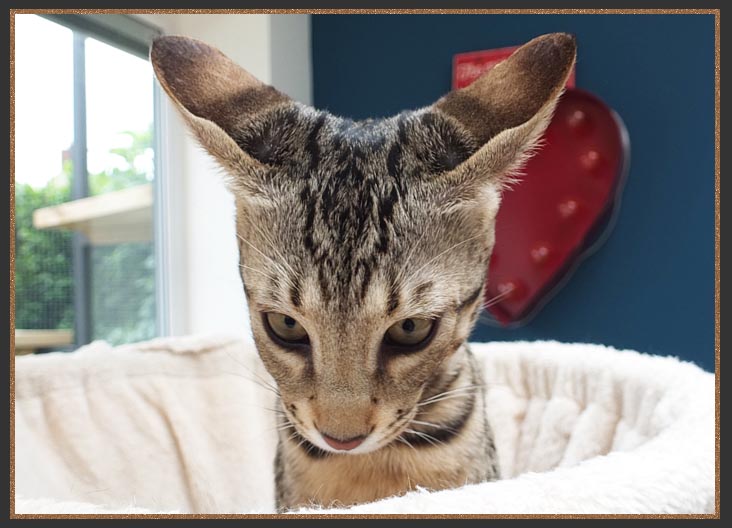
{"x": 364, "y": 248}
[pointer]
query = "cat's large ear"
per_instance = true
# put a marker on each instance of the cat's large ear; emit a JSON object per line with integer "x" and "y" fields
{"x": 507, "y": 109}
{"x": 217, "y": 98}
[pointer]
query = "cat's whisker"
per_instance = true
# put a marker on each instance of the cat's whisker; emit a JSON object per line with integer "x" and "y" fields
{"x": 271, "y": 277}
{"x": 430, "y": 424}
{"x": 436, "y": 399}
{"x": 408, "y": 259}
{"x": 285, "y": 427}
{"x": 457, "y": 389}
{"x": 272, "y": 245}
{"x": 257, "y": 382}
{"x": 450, "y": 397}
{"x": 497, "y": 298}
{"x": 406, "y": 442}
{"x": 275, "y": 293}
{"x": 279, "y": 428}
{"x": 261, "y": 381}
{"x": 294, "y": 436}
{"x": 246, "y": 367}
{"x": 429, "y": 438}
{"x": 278, "y": 413}
{"x": 488, "y": 319}
{"x": 465, "y": 388}
{"x": 311, "y": 447}
{"x": 283, "y": 274}
{"x": 451, "y": 248}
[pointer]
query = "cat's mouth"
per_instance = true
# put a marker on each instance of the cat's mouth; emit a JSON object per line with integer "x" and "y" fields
{"x": 315, "y": 441}
{"x": 391, "y": 435}
{"x": 356, "y": 445}
{"x": 343, "y": 445}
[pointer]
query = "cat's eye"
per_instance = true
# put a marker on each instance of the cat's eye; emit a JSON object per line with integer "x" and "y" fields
{"x": 285, "y": 329}
{"x": 411, "y": 334}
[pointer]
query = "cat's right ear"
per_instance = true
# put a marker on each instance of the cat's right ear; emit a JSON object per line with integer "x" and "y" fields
{"x": 217, "y": 98}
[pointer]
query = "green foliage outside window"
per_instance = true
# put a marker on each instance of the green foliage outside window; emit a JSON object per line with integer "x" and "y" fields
{"x": 122, "y": 276}
{"x": 43, "y": 274}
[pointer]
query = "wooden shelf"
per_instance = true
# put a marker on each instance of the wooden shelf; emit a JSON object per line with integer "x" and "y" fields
{"x": 27, "y": 341}
{"x": 110, "y": 218}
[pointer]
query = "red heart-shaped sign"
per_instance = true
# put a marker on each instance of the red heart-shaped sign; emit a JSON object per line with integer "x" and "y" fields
{"x": 560, "y": 210}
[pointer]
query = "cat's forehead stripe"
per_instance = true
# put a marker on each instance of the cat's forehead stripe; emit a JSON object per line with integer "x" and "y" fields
{"x": 420, "y": 292}
{"x": 393, "y": 300}
{"x": 312, "y": 146}
{"x": 470, "y": 299}
{"x": 353, "y": 183}
{"x": 295, "y": 292}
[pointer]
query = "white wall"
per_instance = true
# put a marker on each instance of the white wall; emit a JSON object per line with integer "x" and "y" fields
{"x": 291, "y": 66}
{"x": 205, "y": 291}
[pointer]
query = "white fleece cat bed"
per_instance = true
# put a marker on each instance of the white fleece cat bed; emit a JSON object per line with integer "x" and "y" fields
{"x": 176, "y": 425}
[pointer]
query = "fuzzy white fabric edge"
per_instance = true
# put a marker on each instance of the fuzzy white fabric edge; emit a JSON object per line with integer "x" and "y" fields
{"x": 670, "y": 471}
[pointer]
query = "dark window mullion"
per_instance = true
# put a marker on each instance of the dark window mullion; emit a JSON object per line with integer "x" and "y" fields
{"x": 80, "y": 189}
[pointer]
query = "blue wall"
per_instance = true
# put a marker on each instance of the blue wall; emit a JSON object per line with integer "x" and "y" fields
{"x": 651, "y": 286}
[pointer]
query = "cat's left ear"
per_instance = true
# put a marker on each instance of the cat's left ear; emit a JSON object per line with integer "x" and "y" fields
{"x": 507, "y": 109}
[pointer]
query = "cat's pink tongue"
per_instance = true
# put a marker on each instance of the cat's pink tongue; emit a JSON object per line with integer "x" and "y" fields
{"x": 343, "y": 445}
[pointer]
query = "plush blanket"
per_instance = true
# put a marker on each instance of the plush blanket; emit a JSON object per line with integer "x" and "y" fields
{"x": 183, "y": 425}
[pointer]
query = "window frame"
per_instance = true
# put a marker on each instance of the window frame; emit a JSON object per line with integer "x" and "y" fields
{"x": 133, "y": 36}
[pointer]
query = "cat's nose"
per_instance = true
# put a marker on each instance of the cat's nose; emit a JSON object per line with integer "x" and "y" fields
{"x": 343, "y": 445}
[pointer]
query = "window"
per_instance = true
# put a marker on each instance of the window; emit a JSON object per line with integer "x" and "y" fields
{"x": 86, "y": 260}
